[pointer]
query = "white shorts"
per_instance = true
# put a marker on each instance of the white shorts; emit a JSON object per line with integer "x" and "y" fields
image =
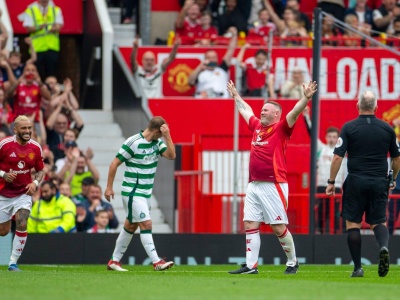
{"x": 137, "y": 210}
{"x": 266, "y": 202}
{"x": 9, "y": 206}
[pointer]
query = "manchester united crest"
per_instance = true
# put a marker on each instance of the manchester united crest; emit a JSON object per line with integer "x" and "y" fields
{"x": 31, "y": 155}
{"x": 178, "y": 78}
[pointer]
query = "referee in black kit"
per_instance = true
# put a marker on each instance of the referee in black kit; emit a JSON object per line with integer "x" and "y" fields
{"x": 367, "y": 141}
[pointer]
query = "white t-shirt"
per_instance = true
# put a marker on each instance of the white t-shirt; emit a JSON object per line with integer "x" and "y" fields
{"x": 213, "y": 82}
{"x": 27, "y": 20}
{"x": 325, "y": 156}
{"x": 151, "y": 82}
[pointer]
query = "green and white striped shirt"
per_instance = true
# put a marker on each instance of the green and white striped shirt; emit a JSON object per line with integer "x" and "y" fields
{"x": 141, "y": 158}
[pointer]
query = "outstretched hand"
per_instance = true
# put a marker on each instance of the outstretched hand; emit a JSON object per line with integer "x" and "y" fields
{"x": 310, "y": 89}
{"x": 231, "y": 89}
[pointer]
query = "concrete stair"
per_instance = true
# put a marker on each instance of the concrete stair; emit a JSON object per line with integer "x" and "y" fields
{"x": 104, "y": 136}
{"x": 124, "y": 34}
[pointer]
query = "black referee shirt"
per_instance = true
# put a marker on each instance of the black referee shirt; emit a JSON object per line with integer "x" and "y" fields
{"x": 367, "y": 141}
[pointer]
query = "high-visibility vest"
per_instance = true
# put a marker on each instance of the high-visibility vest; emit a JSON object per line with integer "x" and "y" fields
{"x": 57, "y": 214}
{"x": 43, "y": 40}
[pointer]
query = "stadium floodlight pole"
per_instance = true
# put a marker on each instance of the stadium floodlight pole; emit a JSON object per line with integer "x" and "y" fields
{"x": 145, "y": 21}
{"x": 315, "y": 115}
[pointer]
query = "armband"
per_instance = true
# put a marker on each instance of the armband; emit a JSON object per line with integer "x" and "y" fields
{"x": 2, "y": 173}
{"x": 36, "y": 182}
{"x": 331, "y": 181}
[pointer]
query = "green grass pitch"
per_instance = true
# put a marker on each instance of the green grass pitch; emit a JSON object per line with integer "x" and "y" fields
{"x": 196, "y": 282}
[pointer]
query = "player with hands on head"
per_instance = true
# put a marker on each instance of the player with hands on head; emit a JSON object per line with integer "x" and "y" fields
{"x": 140, "y": 153}
{"x": 267, "y": 192}
{"x": 19, "y": 154}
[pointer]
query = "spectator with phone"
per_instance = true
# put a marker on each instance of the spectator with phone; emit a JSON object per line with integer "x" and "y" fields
{"x": 209, "y": 77}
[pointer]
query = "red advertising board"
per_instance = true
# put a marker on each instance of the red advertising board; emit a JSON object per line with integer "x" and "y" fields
{"x": 213, "y": 119}
{"x": 71, "y": 9}
{"x": 345, "y": 72}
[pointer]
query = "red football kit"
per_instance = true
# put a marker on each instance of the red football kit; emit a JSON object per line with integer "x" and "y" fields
{"x": 210, "y": 33}
{"x": 27, "y": 100}
{"x": 189, "y": 28}
{"x": 18, "y": 159}
{"x": 267, "y": 154}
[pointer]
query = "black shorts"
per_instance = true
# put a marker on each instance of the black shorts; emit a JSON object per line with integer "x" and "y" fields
{"x": 365, "y": 194}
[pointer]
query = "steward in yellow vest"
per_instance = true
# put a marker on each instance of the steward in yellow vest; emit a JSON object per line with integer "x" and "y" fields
{"x": 43, "y": 20}
{"x": 52, "y": 213}
{"x": 45, "y": 28}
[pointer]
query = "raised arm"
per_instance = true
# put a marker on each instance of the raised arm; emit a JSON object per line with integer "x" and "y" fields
{"x": 231, "y": 46}
{"x": 182, "y": 14}
{"x": 240, "y": 55}
{"x": 280, "y": 24}
{"x": 244, "y": 109}
{"x": 172, "y": 55}
{"x": 134, "y": 63}
{"x": 170, "y": 152}
{"x": 32, "y": 59}
{"x": 309, "y": 91}
{"x": 195, "y": 73}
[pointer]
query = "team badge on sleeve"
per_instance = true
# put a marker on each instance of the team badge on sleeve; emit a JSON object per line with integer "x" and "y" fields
{"x": 339, "y": 143}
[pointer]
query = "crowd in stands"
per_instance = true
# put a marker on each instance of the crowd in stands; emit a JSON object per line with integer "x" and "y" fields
{"x": 207, "y": 21}
{"x": 69, "y": 198}
{"x": 70, "y": 193}
{"x": 234, "y": 23}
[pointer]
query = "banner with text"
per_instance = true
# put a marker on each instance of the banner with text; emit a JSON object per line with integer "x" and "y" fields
{"x": 345, "y": 72}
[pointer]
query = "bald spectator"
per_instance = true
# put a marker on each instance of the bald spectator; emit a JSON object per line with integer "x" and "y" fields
{"x": 385, "y": 15}
{"x": 187, "y": 22}
{"x": 150, "y": 73}
{"x": 210, "y": 78}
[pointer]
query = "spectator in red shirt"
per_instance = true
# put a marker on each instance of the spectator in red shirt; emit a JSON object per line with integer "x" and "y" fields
{"x": 258, "y": 81}
{"x": 187, "y": 22}
{"x": 28, "y": 92}
{"x": 207, "y": 31}
{"x": 263, "y": 25}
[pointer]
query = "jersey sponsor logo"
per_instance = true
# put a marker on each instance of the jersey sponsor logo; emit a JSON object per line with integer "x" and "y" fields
{"x": 13, "y": 154}
{"x": 21, "y": 164}
{"x": 152, "y": 157}
{"x": 339, "y": 143}
{"x": 19, "y": 172}
{"x": 259, "y": 143}
{"x": 258, "y": 140}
